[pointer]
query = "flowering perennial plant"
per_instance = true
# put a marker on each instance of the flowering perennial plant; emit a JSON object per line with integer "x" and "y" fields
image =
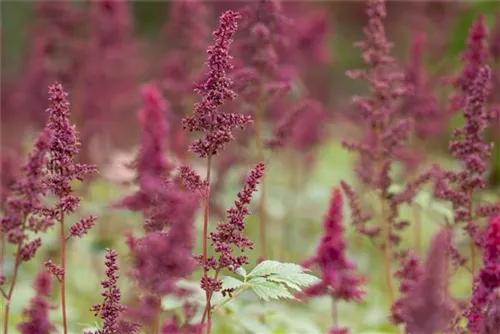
{"x": 179, "y": 281}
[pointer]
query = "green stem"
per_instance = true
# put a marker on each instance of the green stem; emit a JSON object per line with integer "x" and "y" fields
{"x": 233, "y": 296}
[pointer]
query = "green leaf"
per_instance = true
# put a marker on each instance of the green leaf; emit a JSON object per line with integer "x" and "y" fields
{"x": 295, "y": 281}
{"x": 270, "y": 267}
{"x": 229, "y": 282}
{"x": 268, "y": 290}
{"x": 241, "y": 271}
{"x": 272, "y": 279}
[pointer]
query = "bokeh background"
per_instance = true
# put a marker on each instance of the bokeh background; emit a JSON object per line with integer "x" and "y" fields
{"x": 106, "y": 102}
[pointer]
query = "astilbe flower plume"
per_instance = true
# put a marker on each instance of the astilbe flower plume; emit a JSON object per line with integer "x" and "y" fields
{"x": 62, "y": 171}
{"x": 385, "y": 140}
{"x": 385, "y": 132}
{"x": 338, "y": 279}
{"x": 426, "y": 306}
{"x": 23, "y": 219}
{"x": 157, "y": 273}
{"x": 37, "y": 313}
{"x": 312, "y": 33}
{"x": 475, "y": 57}
{"x": 265, "y": 23}
{"x": 25, "y": 201}
{"x": 410, "y": 271}
{"x": 491, "y": 321}
{"x": 110, "y": 309}
{"x": 230, "y": 235}
{"x": 159, "y": 260}
{"x": 469, "y": 146}
{"x": 159, "y": 197}
{"x": 168, "y": 210}
{"x": 421, "y": 103}
{"x": 487, "y": 280}
{"x": 214, "y": 91}
{"x": 64, "y": 147}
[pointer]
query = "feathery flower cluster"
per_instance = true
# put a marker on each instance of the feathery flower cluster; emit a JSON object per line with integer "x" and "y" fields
{"x": 159, "y": 198}
{"x": 151, "y": 162}
{"x": 266, "y": 26}
{"x": 61, "y": 166}
{"x": 173, "y": 326}
{"x": 409, "y": 273}
{"x": 427, "y": 307}
{"x": 488, "y": 279}
{"x": 230, "y": 234}
{"x": 110, "y": 309}
{"x": 470, "y": 148}
{"x": 491, "y": 321}
{"x": 193, "y": 182}
{"x": 337, "y": 271}
{"x": 313, "y": 34}
{"x": 475, "y": 57}
{"x": 153, "y": 271}
{"x": 64, "y": 145}
{"x": 284, "y": 129}
{"x": 214, "y": 91}
{"x": 25, "y": 202}
{"x": 421, "y": 103}
{"x": 386, "y": 133}
{"x": 37, "y": 313}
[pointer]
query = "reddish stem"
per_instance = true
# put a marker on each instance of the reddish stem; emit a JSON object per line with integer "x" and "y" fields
{"x": 63, "y": 278}
{"x": 11, "y": 289}
{"x": 208, "y": 306}
{"x": 8, "y": 297}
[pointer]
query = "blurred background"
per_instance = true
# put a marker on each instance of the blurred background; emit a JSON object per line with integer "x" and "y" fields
{"x": 103, "y": 53}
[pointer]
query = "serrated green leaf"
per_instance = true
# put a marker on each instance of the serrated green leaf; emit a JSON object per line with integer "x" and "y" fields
{"x": 270, "y": 267}
{"x": 229, "y": 282}
{"x": 268, "y": 290}
{"x": 295, "y": 281}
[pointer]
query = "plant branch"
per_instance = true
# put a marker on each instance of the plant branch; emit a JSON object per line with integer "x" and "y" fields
{"x": 233, "y": 296}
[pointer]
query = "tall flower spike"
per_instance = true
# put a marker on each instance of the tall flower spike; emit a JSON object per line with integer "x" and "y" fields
{"x": 64, "y": 145}
{"x": 386, "y": 133}
{"x": 471, "y": 149}
{"x": 110, "y": 309}
{"x": 428, "y": 307}
{"x": 37, "y": 313}
{"x": 337, "y": 271}
{"x": 215, "y": 91}
{"x": 151, "y": 162}
{"x": 421, "y": 103}
{"x": 475, "y": 57}
{"x": 230, "y": 234}
{"x": 488, "y": 279}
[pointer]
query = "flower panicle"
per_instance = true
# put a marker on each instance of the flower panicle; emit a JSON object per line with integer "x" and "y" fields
{"x": 214, "y": 92}
{"x": 338, "y": 277}
{"x": 426, "y": 306}
{"x": 37, "y": 313}
{"x": 110, "y": 309}
{"x": 230, "y": 234}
